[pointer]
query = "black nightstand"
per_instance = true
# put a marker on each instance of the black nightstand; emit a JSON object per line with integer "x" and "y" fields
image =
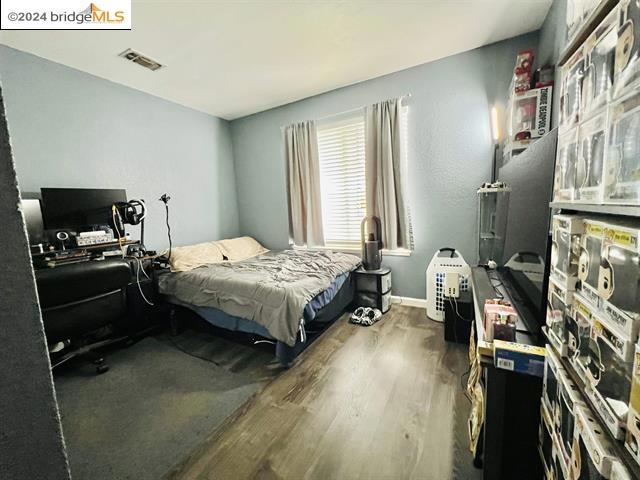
{"x": 373, "y": 288}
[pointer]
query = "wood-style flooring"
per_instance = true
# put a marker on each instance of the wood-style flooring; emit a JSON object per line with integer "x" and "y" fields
{"x": 360, "y": 403}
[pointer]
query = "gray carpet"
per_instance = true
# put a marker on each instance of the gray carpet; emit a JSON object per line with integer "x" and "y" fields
{"x": 155, "y": 404}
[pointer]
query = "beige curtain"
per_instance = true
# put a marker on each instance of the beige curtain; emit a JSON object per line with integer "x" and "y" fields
{"x": 303, "y": 184}
{"x": 385, "y": 173}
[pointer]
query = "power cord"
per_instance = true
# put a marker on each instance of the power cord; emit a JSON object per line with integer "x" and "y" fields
{"x": 165, "y": 199}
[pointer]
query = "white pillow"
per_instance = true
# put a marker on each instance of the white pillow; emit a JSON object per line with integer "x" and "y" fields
{"x": 241, "y": 248}
{"x": 189, "y": 257}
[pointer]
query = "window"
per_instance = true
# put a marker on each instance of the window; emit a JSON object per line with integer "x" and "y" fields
{"x": 342, "y": 180}
{"x": 341, "y": 147}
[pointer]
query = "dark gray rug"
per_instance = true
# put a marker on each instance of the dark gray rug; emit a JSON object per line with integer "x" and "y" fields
{"x": 155, "y": 404}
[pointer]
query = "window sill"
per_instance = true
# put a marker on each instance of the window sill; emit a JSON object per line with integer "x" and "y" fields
{"x": 399, "y": 252}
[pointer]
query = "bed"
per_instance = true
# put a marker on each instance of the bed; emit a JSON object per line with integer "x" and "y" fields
{"x": 277, "y": 295}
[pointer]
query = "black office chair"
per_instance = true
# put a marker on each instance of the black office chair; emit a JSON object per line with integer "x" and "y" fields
{"x": 80, "y": 304}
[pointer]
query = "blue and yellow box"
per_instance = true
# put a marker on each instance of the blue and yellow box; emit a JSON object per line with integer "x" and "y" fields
{"x": 519, "y": 358}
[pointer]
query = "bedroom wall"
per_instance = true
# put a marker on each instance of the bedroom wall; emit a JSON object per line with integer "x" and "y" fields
{"x": 72, "y": 129}
{"x": 553, "y": 34}
{"x": 31, "y": 443}
{"x": 450, "y": 151}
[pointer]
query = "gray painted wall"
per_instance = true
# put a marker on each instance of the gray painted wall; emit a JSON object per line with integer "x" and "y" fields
{"x": 450, "y": 151}
{"x": 553, "y": 34}
{"x": 31, "y": 443}
{"x": 71, "y": 129}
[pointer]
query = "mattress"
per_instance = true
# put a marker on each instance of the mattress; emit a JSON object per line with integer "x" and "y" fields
{"x": 218, "y": 318}
{"x": 276, "y": 290}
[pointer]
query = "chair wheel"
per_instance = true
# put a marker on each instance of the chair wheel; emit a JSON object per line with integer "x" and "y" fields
{"x": 102, "y": 368}
{"x": 98, "y": 361}
{"x": 477, "y": 462}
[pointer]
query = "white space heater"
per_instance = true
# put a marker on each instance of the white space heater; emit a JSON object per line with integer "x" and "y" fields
{"x": 447, "y": 275}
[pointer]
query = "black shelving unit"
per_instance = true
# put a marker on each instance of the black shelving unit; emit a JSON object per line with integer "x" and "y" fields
{"x": 601, "y": 11}
{"x": 622, "y": 212}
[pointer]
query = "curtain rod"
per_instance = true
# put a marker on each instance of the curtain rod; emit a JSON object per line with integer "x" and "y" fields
{"x": 353, "y": 110}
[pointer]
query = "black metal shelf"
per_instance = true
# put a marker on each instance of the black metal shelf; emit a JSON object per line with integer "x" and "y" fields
{"x": 618, "y": 445}
{"x": 621, "y": 210}
{"x": 601, "y": 11}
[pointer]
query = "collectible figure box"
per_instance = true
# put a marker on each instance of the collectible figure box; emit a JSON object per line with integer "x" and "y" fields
{"x": 622, "y": 168}
{"x": 591, "y": 244}
{"x": 569, "y": 399}
{"x": 632, "y": 439}
{"x": 558, "y": 309}
{"x": 579, "y": 335}
{"x": 619, "y": 471}
{"x": 552, "y": 369}
{"x": 571, "y": 90}
{"x": 560, "y": 465}
{"x": 545, "y": 440}
{"x": 530, "y": 114}
{"x": 609, "y": 374}
{"x": 565, "y": 170}
{"x": 619, "y": 278}
{"x": 500, "y": 319}
{"x": 600, "y": 48}
{"x": 565, "y": 249}
{"x": 627, "y": 63}
{"x": 592, "y": 453}
{"x": 592, "y": 147}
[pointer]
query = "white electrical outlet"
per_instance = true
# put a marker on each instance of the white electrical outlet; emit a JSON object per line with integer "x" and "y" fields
{"x": 452, "y": 285}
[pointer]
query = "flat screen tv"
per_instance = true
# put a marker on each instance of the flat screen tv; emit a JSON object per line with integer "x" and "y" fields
{"x": 77, "y": 207}
{"x": 525, "y": 263}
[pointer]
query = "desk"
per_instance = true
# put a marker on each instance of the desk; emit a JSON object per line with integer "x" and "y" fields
{"x": 512, "y": 400}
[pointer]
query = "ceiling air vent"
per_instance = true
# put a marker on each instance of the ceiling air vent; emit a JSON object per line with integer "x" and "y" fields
{"x": 140, "y": 59}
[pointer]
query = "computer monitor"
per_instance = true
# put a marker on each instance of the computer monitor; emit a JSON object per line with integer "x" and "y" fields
{"x": 77, "y": 207}
{"x": 33, "y": 218}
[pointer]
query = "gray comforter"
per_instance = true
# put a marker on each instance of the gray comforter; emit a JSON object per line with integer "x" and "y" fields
{"x": 271, "y": 289}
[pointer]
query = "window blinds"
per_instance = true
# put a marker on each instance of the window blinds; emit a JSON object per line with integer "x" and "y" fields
{"x": 342, "y": 179}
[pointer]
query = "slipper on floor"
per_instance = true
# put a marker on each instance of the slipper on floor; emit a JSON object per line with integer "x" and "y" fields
{"x": 356, "y": 316}
{"x": 371, "y": 316}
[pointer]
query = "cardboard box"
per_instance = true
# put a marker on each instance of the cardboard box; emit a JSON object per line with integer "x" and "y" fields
{"x": 550, "y": 381}
{"x": 579, "y": 335}
{"x": 591, "y": 243}
{"x": 627, "y": 56}
{"x": 593, "y": 454}
{"x": 564, "y": 183}
{"x": 600, "y": 47}
{"x": 619, "y": 278}
{"x": 558, "y": 309}
{"x": 571, "y": 74}
{"x": 592, "y": 150}
{"x": 569, "y": 399}
{"x": 609, "y": 374}
{"x": 565, "y": 249}
{"x": 632, "y": 438}
{"x": 519, "y": 358}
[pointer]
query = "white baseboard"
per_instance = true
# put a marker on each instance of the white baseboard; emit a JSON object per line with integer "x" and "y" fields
{"x": 409, "y": 301}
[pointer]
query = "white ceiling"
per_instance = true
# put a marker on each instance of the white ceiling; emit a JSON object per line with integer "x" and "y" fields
{"x": 234, "y": 58}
